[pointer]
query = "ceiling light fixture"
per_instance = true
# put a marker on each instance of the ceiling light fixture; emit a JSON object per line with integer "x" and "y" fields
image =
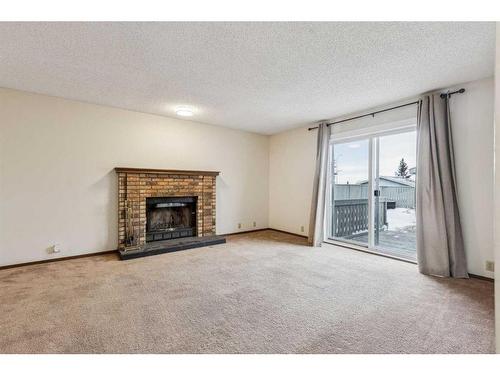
{"x": 184, "y": 111}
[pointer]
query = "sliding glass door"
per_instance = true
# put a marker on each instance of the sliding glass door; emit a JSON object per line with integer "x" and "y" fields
{"x": 372, "y": 193}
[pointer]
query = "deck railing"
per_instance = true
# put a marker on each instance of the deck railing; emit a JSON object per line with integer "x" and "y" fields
{"x": 350, "y": 216}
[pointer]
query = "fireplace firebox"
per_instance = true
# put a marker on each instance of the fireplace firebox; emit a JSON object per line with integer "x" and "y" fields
{"x": 170, "y": 217}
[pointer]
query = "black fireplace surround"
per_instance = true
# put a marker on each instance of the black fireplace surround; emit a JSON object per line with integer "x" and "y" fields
{"x": 170, "y": 217}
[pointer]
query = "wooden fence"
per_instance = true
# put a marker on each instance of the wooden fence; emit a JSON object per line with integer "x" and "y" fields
{"x": 404, "y": 196}
{"x": 349, "y": 191}
{"x": 350, "y": 216}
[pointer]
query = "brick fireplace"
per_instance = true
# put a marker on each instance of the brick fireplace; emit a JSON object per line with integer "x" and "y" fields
{"x": 155, "y": 206}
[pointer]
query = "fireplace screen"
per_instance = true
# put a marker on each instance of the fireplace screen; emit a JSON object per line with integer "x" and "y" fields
{"x": 170, "y": 217}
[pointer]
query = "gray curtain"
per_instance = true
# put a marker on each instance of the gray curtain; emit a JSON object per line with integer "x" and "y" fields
{"x": 317, "y": 218}
{"x": 440, "y": 246}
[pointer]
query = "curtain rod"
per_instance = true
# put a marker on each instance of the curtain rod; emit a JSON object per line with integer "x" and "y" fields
{"x": 448, "y": 94}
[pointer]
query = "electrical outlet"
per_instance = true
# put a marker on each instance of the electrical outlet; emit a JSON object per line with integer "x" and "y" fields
{"x": 55, "y": 248}
{"x": 302, "y": 228}
{"x": 254, "y": 224}
{"x": 489, "y": 266}
{"x": 239, "y": 225}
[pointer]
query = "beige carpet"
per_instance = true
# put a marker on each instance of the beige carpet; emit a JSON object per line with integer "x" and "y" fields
{"x": 260, "y": 293}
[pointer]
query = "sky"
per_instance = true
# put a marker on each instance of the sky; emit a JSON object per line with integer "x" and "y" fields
{"x": 352, "y": 157}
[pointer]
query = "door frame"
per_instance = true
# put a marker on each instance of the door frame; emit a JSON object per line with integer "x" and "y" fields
{"x": 373, "y": 165}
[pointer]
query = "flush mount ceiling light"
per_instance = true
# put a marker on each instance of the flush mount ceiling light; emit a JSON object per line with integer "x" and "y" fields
{"x": 184, "y": 111}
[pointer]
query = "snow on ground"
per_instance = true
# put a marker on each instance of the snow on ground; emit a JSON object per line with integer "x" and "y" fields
{"x": 401, "y": 218}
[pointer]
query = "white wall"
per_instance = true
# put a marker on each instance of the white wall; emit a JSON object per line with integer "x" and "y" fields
{"x": 497, "y": 190}
{"x": 57, "y": 183}
{"x": 291, "y": 169}
{"x": 473, "y": 134}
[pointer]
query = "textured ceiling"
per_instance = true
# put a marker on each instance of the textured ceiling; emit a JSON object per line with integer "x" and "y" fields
{"x": 261, "y": 77}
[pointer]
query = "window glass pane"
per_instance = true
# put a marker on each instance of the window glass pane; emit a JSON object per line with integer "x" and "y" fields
{"x": 349, "y": 206}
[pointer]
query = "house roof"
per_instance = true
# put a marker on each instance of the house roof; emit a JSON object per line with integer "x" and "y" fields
{"x": 397, "y": 180}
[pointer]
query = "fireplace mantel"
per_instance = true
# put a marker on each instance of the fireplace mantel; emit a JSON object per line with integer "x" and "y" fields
{"x": 166, "y": 171}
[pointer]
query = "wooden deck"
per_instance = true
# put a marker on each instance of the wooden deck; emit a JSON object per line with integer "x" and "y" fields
{"x": 398, "y": 243}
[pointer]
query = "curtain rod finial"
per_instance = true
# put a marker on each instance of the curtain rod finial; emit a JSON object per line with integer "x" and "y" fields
{"x": 449, "y": 94}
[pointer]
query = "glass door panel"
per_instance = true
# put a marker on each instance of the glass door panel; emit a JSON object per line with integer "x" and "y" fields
{"x": 349, "y": 208}
{"x": 394, "y": 194}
